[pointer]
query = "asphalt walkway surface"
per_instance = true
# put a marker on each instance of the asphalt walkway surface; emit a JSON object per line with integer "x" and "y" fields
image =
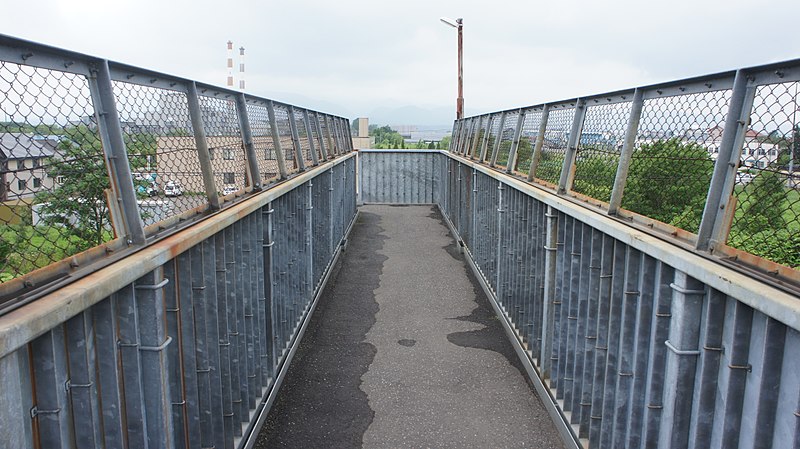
{"x": 404, "y": 350}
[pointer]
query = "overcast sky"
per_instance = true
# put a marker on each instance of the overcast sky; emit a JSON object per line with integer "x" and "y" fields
{"x": 356, "y": 57}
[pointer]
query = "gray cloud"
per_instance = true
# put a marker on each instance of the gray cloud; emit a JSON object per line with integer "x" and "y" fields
{"x": 353, "y": 56}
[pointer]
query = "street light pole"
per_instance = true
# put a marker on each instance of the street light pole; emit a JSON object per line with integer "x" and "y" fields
{"x": 460, "y": 100}
{"x": 459, "y": 24}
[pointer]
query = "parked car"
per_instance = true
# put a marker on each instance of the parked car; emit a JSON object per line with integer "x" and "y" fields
{"x": 173, "y": 189}
{"x": 227, "y": 190}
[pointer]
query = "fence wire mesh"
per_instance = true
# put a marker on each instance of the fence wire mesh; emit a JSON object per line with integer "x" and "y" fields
{"x": 766, "y": 221}
{"x": 53, "y": 176}
{"x": 494, "y": 131}
{"x": 302, "y": 133}
{"x": 225, "y": 145}
{"x": 285, "y": 133}
{"x": 162, "y": 151}
{"x": 325, "y": 136}
{"x": 266, "y": 157}
{"x": 527, "y": 139}
{"x": 554, "y": 148}
{"x": 506, "y": 138}
{"x": 599, "y": 148}
{"x": 673, "y": 159}
{"x": 315, "y": 135}
{"x": 57, "y": 181}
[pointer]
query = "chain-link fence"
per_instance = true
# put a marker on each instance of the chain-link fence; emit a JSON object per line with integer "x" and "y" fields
{"x": 766, "y": 221}
{"x": 654, "y": 154}
{"x": 159, "y": 151}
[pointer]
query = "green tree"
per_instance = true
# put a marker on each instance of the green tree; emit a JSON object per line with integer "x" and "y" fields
{"x": 668, "y": 181}
{"x": 444, "y": 144}
{"x": 78, "y": 205}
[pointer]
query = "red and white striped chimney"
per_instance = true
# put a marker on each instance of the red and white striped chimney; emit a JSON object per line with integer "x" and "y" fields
{"x": 241, "y": 68}
{"x": 230, "y": 64}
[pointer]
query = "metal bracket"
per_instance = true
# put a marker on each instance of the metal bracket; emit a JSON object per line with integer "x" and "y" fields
{"x": 68, "y": 385}
{"x": 158, "y": 286}
{"x": 156, "y": 348}
{"x": 680, "y": 351}
{"x": 36, "y": 412}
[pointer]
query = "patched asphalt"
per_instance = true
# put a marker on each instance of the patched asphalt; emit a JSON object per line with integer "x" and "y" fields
{"x": 404, "y": 350}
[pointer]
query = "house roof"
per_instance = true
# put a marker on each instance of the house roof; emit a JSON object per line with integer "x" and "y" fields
{"x": 25, "y": 146}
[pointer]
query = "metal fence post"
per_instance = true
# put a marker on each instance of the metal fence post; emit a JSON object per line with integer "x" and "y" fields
{"x": 548, "y": 311}
{"x": 713, "y": 226}
{"x": 456, "y": 133}
{"x": 537, "y": 147}
{"x": 476, "y": 138}
{"x": 203, "y": 157}
{"x": 323, "y": 146}
{"x": 626, "y": 153}
{"x": 116, "y": 155}
{"x": 500, "y": 211}
{"x": 485, "y": 143}
{"x": 683, "y": 344}
{"x": 465, "y": 131}
{"x": 309, "y": 240}
{"x": 247, "y": 139}
{"x": 568, "y": 169}
{"x": 337, "y": 129}
{"x": 498, "y": 139}
{"x": 298, "y": 150}
{"x": 310, "y": 135}
{"x": 511, "y": 164}
{"x": 468, "y": 137}
{"x": 153, "y": 341}
{"x": 276, "y": 140}
{"x": 331, "y": 131}
{"x": 348, "y": 137}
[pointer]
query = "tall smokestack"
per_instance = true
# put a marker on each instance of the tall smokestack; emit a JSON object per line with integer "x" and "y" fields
{"x": 230, "y": 64}
{"x": 241, "y": 68}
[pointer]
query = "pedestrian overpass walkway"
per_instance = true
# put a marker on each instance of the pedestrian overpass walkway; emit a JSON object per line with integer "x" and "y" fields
{"x": 404, "y": 350}
{"x": 615, "y": 270}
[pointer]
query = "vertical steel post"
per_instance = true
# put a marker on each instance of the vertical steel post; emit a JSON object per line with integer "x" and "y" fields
{"x": 323, "y": 147}
{"x": 203, "y": 156}
{"x": 298, "y": 149}
{"x": 498, "y": 139}
{"x": 333, "y": 147}
{"x": 713, "y": 226}
{"x": 476, "y": 138}
{"x": 537, "y": 147}
{"x": 309, "y": 241}
{"x": 276, "y": 140}
{"x": 511, "y": 164}
{"x": 684, "y": 350}
{"x": 454, "y": 141}
{"x": 460, "y": 99}
{"x": 115, "y": 153}
{"x": 310, "y": 134}
{"x": 348, "y": 137}
{"x": 153, "y": 340}
{"x": 568, "y": 169}
{"x": 469, "y": 138}
{"x": 247, "y": 139}
{"x": 499, "y": 290}
{"x": 548, "y": 310}
{"x": 485, "y": 143}
{"x": 14, "y": 426}
{"x": 627, "y": 152}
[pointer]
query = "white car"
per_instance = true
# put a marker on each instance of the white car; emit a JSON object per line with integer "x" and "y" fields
{"x": 172, "y": 189}
{"x": 228, "y": 190}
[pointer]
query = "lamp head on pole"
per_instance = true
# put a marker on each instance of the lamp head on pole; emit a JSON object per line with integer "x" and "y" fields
{"x": 453, "y": 23}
